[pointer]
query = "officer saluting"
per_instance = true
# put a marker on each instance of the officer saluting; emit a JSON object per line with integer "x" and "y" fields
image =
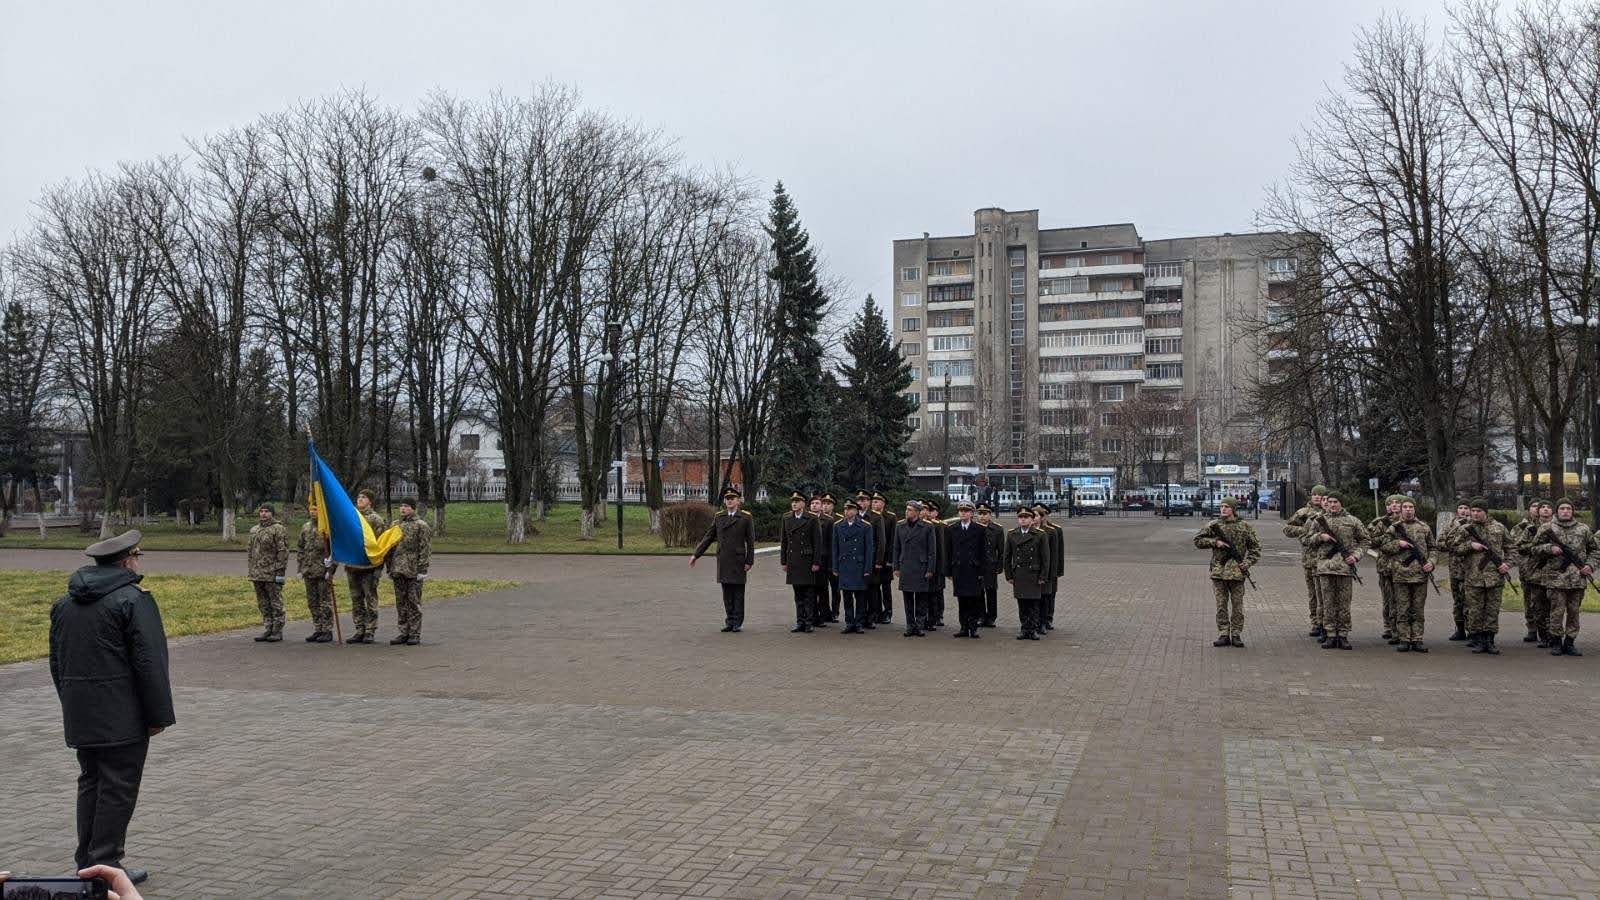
{"x": 734, "y": 532}
{"x": 108, "y": 659}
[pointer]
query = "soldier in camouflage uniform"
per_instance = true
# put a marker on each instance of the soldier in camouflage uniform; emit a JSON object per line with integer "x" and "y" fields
{"x": 1296, "y": 528}
{"x": 1535, "y": 573}
{"x": 1567, "y": 574}
{"x": 407, "y": 563}
{"x": 1234, "y": 549}
{"x": 1385, "y": 565}
{"x": 1458, "y": 571}
{"x": 268, "y": 560}
{"x": 363, "y": 580}
{"x": 1480, "y": 541}
{"x": 1535, "y": 604}
{"x": 316, "y": 570}
{"x": 1326, "y": 534}
{"x": 1408, "y": 546}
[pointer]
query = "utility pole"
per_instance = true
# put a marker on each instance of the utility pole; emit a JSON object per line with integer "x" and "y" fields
{"x": 614, "y": 344}
{"x": 944, "y": 468}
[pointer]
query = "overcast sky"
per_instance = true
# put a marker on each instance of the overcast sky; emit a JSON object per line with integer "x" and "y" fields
{"x": 883, "y": 119}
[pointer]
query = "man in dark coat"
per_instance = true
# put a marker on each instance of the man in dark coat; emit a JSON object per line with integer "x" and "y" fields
{"x": 968, "y": 568}
{"x": 820, "y": 613}
{"x": 108, "y": 659}
{"x": 935, "y": 605}
{"x": 1028, "y": 568}
{"x": 1047, "y": 603}
{"x": 851, "y": 556}
{"x": 801, "y": 555}
{"x": 916, "y": 553}
{"x": 995, "y": 557}
{"x": 880, "y": 508}
{"x": 734, "y": 532}
{"x": 835, "y": 593}
{"x": 882, "y": 549}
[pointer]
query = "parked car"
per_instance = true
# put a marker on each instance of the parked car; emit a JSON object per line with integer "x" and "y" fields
{"x": 1007, "y": 501}
{"x": 1179, "y": 504}
{"x": 1048, "y": 498}
{"x": 1089, "y": 502}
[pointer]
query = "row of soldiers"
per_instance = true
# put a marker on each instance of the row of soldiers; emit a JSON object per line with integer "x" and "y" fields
{"x": 1555, "y": 556}
{"x": 407, "y": 565}
{"x": 846, "y": 563}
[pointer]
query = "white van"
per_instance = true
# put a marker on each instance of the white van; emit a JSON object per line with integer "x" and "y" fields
{"x": 1007, "y": 500}
{"x": 1089, "y": 502}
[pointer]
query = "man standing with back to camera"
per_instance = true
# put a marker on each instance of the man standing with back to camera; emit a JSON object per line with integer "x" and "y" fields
{"x": 108, "y": 659}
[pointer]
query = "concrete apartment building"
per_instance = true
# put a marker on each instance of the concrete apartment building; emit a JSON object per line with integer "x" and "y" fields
{"x": 1042, "y": 332}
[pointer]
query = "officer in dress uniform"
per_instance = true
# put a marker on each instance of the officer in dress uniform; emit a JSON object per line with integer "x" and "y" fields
{"x": 852, "y": 555}
{"x": 969, "y": 568}
{"x": 872, "y": 595}
{"x": 916, "y": 555}
{"x": 994, "y": 557}
{"x": 821, "y": 615}
{"x": 1028, "y": 567}
{"x": 1047, "y": 603}
{"x": 941, "y": 540}
{"x": 880, "y": 505}
{"x": 801, "y": 555}
{"x": 734, "y": 532}
{"x": 835, "y": 594}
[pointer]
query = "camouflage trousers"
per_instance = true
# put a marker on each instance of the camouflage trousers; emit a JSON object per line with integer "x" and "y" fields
{"x": 1564, "y": 611}
{"x": 1230, "y": 606}
{"x": 408, "y": 605}
{"x": 363, "y": 599}
{"x": 269, "y": 599}
{"x": 1458, "y": 601}
{"x": 1334, "y": 593}
{"x": 1483, "y": 609}
{"x": 1535, "y": 606}
{"x": 1313, "y": 603}
{"x": 319, "y": 599}
{"x": 1408, "y": 601}
{"x": 1386, "y": 591}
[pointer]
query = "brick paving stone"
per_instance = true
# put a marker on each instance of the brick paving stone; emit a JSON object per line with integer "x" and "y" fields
{"x": 590, "y": 734}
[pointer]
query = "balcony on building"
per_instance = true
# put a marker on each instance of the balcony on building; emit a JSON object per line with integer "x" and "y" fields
{"x": 1097, "y": 376}
{"x": 957, "y": 277}
{"x": 1133, "y": 268}
{"x": 1163, "y": 274}
{"x": 1158, "y": 383}
{"x": 1075, "y": 324}
{"x": 1282, "y": 268}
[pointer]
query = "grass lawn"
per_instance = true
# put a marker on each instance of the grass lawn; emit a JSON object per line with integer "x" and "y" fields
{"x": 469, "y": 528}
{"x": 190, "y": 604}
{"x": 1513, "y": 601}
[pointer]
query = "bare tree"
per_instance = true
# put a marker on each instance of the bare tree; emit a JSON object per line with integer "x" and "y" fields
{"x": 28, "y": 338}
{"x": 745, "y": 304}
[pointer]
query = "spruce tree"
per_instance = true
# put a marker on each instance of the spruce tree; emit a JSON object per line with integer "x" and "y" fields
{"x": 800, "y": 452}
{"x": 875, "y": 433}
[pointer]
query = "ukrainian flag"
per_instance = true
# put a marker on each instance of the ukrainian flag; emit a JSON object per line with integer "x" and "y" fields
{"x": 348, "y": 532}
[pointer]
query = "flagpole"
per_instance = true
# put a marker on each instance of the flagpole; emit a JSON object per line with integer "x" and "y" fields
{"x": 333, "y": 593}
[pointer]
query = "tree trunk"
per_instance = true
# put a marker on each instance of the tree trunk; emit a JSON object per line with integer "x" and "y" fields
{"x": 230, "y": 527}
{"x": 655, "y": 521}
{"x": 586, "y": 522}
{"x": 1556, "y": 449}
{"x": 516, "y": 525}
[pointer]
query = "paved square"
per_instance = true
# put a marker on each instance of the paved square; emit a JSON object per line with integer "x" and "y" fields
{"x": 591, "y": 734}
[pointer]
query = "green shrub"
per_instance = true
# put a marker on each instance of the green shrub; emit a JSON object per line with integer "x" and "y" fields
{"x": 683, "y": 524}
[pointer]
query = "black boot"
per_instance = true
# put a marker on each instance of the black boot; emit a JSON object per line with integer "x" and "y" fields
{"x": 397, "y": 640}
{"x": 263, "y": 637}
{"x": 798, "y": 628}
{"x": 1459, "y": 634}
{"x": 1331, "y": 642}
{"x": 1237, "y": 641}
{"x": 1569, "y": 646}
{"x": 1416, "y": 647}
{"x": 1530, "y": 637}
{"x": 1387, "y": 634}
{"x": 1221, "y": 641}
{"x": 1402, "y": 646}
{"x": 1488, "y": 644}
{"x": 1344, "y": 643}
{"x": 1475, "y": 641}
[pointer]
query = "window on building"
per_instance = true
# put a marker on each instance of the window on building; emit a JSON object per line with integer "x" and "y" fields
{"x": 950, "y": 342}
{"x": 1018, "y": 256}
{"x": 1112, "y": 393}
{"x": 497, "y": 473}
{"x": 499, "y": 444}
{"x": 469, "y": 441}
{"x": 910, "y": 349}
{"x": 1163, "y": 270}
{"x": 955, "y": 368}
{"x": 1063, "y": 418}
{"x": 952, "y": 319}
{"x": 911, "y": 323}
{"x": 948, "y": 293}
{"x": 916, "y": 374}
{"x": 1163, "y": 370}
{"x": 959, "y": 418}
{"x": 914, "y": 397}
{"x": 911, "y": 298}
{"x": 911, "y": 273}
{"x": 1106, "y": 283}
{"x": 1063, "y": 390}
{"x": 1098, "y": 337}
{"x": 959, "y": 393}
{"x": 1111, "y": 259}
{"x": 1282, "y": 265}
{"x": 1168, "y": 319}
{"x": 1077, "y": 284}
{"x": 1078, "y": 312}
{"x": 1056, "y": 364}
{"x": 956, "y": 267}
{"x": 913, "y": 422}
{"x": 1163, "y": 345}
{"x": 1111, "y": 445}
{"x": 1164, "y": 295}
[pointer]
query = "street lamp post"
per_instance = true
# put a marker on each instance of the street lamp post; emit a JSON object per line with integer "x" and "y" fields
{"x": 1594, "y": 423}
{"x": 614, "y": 347}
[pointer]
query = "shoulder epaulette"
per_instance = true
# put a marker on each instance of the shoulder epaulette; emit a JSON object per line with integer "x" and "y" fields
{"x": 744, "y": 512}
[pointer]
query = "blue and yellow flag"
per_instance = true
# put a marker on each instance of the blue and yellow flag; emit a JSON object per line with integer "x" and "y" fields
{"x": 349, "y": 533}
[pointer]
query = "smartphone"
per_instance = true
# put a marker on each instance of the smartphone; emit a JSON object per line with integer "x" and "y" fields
{"x": 61, "y": 887}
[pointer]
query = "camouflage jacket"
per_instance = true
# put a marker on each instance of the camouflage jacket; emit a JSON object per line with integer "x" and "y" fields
{"x": 269, "y": 551}
{"x": 1477, "y": 569}
{"x": 1375, "y": 528}
{"x": 1404, "y": 566}
{"x": 1555, "y": 571}
{"x": 1296, "y": 528}
{"x": 1347, "y": 529}
{"x": 310, "y": 551}
{"x": 1242, "y": 540}
{"x": 1520, "y": 535}
{"x": 377, "y": 523}
{"x": 410, "y": 557}
{"x": 1457, "y": 564}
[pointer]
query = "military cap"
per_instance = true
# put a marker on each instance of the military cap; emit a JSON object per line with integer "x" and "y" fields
{"x": 1041, "y": 509}
{"x": 965, "y": 504}
{"x": 877, "y": 495}
{"x": 1319, "y": 490}
{"x": 1478, "y": 503}
{"x": 863, "y": 495}
{"x": 113, "y": 549}
{"x": 1462, "y": 501}
{"x": 367, "y": 493}
{"x": 731, "y": 492}
{"x": 407, "y": 501}
{"x": 1229, "y": 502}
{"x": 1542, "y": 500}
{"x": 931, "y": 503}
{"x": 1024, "y": 511}
{"x": 797, "y": 496}
{"x": 1396, "y": 498}
{"x": 828, "y": 498}
{"x": 984, "y": 508}
{"x": 850, "y": 504}
{"x": 816, "y": 498}
{"x": 913, "y": 504}
{"x": 1330, "y": 495}
{"x": 267, "y": 507}
{"x": 1564, "y": 501}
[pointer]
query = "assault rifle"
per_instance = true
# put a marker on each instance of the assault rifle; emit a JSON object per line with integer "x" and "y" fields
{"x": 1572, "y": 559}
{"x": 1477, "y": 535}
{"x": 1338, "y": 545}
{"x": 1415, "y": 554}
{"x": 1233, "y": 553}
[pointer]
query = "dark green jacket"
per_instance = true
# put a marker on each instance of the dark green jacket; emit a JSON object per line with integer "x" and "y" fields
{"x": 108, "y": 659}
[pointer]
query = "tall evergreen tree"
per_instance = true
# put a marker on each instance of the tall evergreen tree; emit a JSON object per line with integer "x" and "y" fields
{"x": 874, "y": 434}
{"x": 800, "y": 453}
